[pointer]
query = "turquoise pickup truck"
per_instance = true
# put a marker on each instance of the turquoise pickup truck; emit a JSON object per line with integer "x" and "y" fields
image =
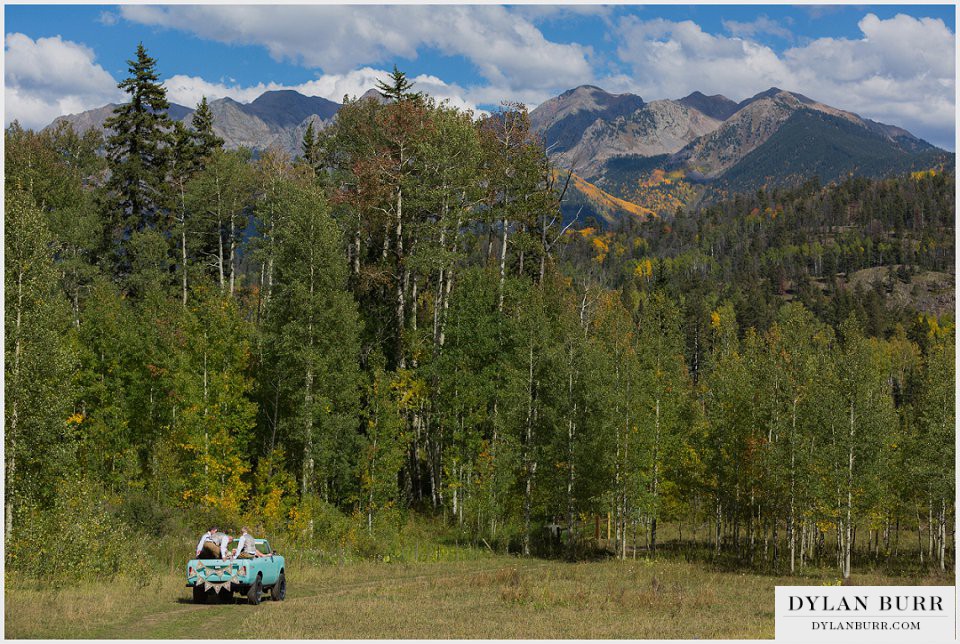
{"x": 250, "y": 577}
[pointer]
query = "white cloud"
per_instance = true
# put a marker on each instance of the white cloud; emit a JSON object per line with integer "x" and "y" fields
{"x": 505, "y": 47}
{"x": 108, "y": 18}
{"x": 188, "y": 90}
{"x": 671, "y": 59}
{"x": 901, "y": 71}
{"x": 48, "y": 77}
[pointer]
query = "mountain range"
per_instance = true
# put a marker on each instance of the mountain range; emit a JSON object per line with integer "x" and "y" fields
{"x": 669, "y": 153}
{"x": 656, "y": 155}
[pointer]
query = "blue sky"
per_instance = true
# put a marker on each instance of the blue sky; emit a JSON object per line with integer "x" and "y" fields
{"x": 892, "y": 63}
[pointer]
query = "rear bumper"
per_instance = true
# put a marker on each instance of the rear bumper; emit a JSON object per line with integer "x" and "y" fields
{"x": 243, "y": 589}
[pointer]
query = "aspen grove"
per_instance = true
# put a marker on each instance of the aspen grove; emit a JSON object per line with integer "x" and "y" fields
{"x": 400, "y": 323}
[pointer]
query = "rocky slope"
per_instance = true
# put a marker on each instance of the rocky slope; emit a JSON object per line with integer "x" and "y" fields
{"x": 562, "y": 120}
{"x": 274, "y": 119}
{"x": 717, "y": 106}
{"x": 658, "y": 155}
{"x": 662, "y": 154}
{"x": 658, "y": 127}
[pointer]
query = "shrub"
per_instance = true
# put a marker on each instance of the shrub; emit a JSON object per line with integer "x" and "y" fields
{"x": 76, "y": 538}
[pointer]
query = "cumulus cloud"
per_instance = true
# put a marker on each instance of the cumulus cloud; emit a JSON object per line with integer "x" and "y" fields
{"x": 48, "y": 77}
{"x": 188, "y": 90}
{"x": 900, "y": 71}
{"x": 506, "y": 48}
{"x": 671, "y": 59}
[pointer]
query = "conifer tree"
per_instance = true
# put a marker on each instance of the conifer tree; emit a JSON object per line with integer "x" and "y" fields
{"x": 137, "y": 149}
{"x": 310, "y": 147}
{"x": 205, "y": 139}
{"x": 398, "y": 87}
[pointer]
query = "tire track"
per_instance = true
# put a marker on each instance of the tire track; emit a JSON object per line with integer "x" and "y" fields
{"x": 341, "y": 589}
{"x": 214, "y": 622}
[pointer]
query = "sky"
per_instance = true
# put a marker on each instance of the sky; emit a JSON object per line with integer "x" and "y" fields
{"x": 891, "y": 63}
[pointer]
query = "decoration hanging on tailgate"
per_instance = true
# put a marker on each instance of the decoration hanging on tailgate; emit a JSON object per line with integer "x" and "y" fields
{"x": 204, "y": 571}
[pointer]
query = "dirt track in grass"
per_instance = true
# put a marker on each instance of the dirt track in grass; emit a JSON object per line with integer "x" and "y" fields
{"x": 492, "y": 597}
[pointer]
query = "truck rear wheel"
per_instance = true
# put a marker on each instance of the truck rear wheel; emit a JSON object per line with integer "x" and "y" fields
{"x": 199, "y": 595}
{"x": 279, "y": 590}
{"x": 253, "y": 595}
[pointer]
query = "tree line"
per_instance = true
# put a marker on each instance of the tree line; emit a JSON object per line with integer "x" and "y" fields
{"x": 397, "y": 321}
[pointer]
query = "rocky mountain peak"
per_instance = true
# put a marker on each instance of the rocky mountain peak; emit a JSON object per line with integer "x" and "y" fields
{"x": 375, "y": 95}
{"x": 288, "y": 108}
{"x": 717, "y": 106}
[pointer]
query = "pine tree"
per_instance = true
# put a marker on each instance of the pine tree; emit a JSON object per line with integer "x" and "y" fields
{"x": 310, "y": 147}
{"x": 205, "y": 139}
{"x": 397, "y": 89}
{"x": 137, "y": 150}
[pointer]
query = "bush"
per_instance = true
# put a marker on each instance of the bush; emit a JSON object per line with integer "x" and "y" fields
{"x": 78, "y": 537}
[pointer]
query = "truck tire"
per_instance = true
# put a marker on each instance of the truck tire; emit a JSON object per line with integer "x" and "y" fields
{"x": 253, "y": 595}
{"x": 279, "y": 590}
{"x": 199, "y": 595}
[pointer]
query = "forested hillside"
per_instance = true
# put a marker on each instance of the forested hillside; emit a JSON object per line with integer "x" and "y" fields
{"x": 399, "y": 323}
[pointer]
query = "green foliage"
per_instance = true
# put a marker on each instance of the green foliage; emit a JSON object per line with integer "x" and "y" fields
{"x": 311, "y": 339}
{"x": 401, "y": 345}
{"x": 76, "y": 537}
{"x": 398, "y": 87}
{"x": 40, "y": 359}
{"x": 205, "y": 139}
{"x": 310, "y": 147}
{"x": 137, "y": 151}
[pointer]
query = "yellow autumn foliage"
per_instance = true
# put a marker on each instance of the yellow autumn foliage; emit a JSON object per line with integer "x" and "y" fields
{"x": 606, "y": 202}
{"x": 715, "y": 319}
{"x": 602, "y": 248}
{"x": 644, "y": 268}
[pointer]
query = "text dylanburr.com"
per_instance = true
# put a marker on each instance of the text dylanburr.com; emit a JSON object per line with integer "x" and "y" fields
{"x": 866, "y": 614}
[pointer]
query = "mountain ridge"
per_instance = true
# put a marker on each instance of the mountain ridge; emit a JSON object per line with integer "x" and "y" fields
{"x": 274, "y": 118}
{"x": 742, "y": 145}
{"x": 650, "y": 154}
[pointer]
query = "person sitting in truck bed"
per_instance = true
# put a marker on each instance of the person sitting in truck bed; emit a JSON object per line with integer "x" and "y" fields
{"x": 247, "y": 547}
{"x": 213, "y": 544}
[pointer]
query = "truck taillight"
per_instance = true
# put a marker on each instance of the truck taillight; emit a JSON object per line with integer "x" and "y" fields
{"x": 191, "y": 572}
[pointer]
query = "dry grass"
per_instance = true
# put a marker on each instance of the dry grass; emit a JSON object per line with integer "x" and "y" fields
{"x": 492, "y": 597}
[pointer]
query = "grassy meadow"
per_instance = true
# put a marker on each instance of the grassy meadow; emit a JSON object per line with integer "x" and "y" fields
{"x": 466, "y": 594}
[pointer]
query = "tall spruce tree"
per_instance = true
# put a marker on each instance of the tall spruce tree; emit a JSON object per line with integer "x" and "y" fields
{"x": 310, "y": 146}
{"x": 204, "y": 138}
{"x": 137, "y": 150}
